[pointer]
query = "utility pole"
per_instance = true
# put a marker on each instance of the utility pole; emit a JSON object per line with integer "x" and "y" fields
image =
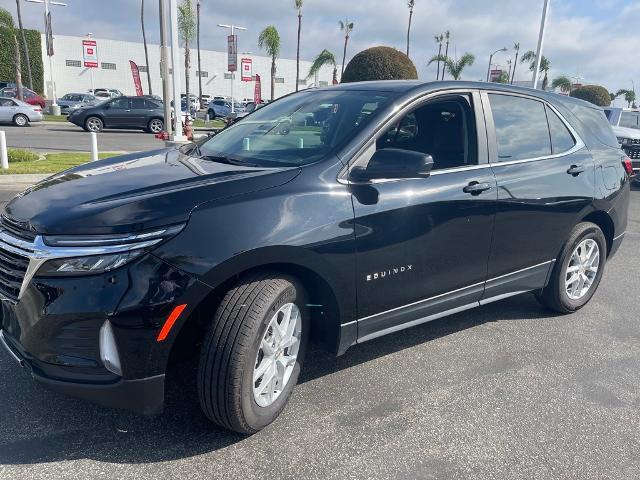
{"x": 47, "y": 23}
{"x": 164, "y": 66}
{"x": 543, "y": 25}
{"x": 233, "y": 74}
{"x": 198, "y": 40}
{"x": 93, "y": 90}
{"x": 175, "y": 64}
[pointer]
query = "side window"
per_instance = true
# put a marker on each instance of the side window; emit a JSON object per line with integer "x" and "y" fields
{"x": 138, "y": 103}
{"x": 561, "y": 138}
{"x": 150, "y": 104}
{"x": 521, "y": 128}
{"x": 5, "y": 102}
{"x": 120, "y": 103}
{"x": 444, "y": 129}
{"x": 629, "y": 120}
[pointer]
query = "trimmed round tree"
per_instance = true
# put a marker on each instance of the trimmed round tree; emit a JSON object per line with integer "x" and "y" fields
{"x": 593, "y": 93}
{"x": 380, "y": 63}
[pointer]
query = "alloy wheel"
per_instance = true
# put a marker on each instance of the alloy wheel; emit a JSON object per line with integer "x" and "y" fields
{"x": 582, "y": 269}
{"x": 277, "y": 354}
{"x": 94, "y": 124}
{"x": 21, "y": 120}
{"x": 156, "y": 126}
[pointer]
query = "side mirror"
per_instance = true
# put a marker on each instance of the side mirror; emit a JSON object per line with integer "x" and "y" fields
{"x": 393, "y": 163}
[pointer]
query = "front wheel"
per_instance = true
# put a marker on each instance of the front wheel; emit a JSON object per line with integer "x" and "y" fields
{"x": 155, "y": 125}
{"x": 252, "y": 354}
{"x": 20, "y": 120}
{"x": 578, "y": 271}
{"x": 93, "y": 124}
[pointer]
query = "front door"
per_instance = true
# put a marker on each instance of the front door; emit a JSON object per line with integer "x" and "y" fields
{"x": 422, "y": 244}
{"x": 118, "y": 113}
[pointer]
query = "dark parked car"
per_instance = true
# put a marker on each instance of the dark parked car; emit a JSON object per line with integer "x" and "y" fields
{"x": 402, "y": 202}
{"x": 121, "y": 112}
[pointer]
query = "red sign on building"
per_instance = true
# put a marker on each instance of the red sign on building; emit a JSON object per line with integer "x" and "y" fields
{"x": 90, "y": 53}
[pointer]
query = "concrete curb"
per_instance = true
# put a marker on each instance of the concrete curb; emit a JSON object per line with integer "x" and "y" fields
{"x": 19, "y": 179}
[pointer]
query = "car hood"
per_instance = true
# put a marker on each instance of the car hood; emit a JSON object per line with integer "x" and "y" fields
{"x": 625, "y": 132}
{"x": 134, "y": 192}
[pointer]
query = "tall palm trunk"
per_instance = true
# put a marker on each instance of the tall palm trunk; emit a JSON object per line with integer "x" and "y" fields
{"x": 198, "y": 42}
{"x": 515, "y": 63}
{"x": 438, "y": 67}
{"x": 187, "y": 64}
{"x": 146, "y": 52}
{"x": 24, "y": 46}
{"x": 273, "y": 77}
{"x": 335, "y": 74}
{"x": 446, "y": 54}
{"x": 409, "y": 30}
{"x": 16, "y": 49}
{"x": 298, "y": 50}
{"x": 344, "y": 54}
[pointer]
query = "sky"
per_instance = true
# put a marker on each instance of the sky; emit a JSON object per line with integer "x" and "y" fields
{"x": 590, "y": 39}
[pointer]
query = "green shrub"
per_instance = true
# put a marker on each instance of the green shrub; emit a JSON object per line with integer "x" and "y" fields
{"x": 380, "y": 63}
{"x": 7, "y": 60}
{"x": 17, "y": 155}
{"x": 593, "y": 93}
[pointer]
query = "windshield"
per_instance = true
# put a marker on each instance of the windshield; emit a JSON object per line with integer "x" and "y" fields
{"x": 298, "y": 129}
{"x": 72, "y": 98}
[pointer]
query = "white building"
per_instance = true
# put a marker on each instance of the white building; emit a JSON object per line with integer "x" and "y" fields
{"x": 114, "y": 71}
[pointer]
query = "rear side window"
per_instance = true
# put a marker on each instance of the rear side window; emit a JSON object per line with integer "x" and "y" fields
{"x": 594, "y": 121}
{"x": 561, "y": 138}
{"x": 137, "y": 103}
{"x": 629, "y": 120}
{"x": 521, "y": 128}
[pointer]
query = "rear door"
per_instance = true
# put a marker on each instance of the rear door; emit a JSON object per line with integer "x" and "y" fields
{"x": 546, "y": 183}
{"x": 422, "y": 244}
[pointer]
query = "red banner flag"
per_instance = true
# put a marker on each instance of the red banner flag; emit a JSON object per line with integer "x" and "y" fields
{"x": 136, "y": 77}
{"x": 257, "y": 91}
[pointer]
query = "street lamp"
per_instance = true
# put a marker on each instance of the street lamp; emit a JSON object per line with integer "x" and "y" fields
{"x": 543, "y": 25}
{"x": 49, "y": 35}
{"x": 503, "y": 49}
{"x": 235, "y": 52}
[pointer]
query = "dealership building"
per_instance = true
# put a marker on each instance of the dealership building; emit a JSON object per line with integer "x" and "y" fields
{"x": 114, "y": 71}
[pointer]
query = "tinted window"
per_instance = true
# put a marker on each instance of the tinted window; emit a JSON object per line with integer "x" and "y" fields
{"x": 5, "y": 102}
{"x": 521, "y": 128}
{"x": 594, "y": 124}
{"x": 138, "y": 103}
{"x": 151, "y": 104}
{"x": 629, "y": 120}
{"x": 561, "y": 138}
{"x": 120, "y": 103}
{"x": 444, "y": 129}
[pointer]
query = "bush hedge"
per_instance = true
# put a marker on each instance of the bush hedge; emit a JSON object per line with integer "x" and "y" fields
{"x": 7, "y": 60}
{"x": 380, "y": 63}
{"x": 16, "y": 155}
{"x": 593, "y": 93}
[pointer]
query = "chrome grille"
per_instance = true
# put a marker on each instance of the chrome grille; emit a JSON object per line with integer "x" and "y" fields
{"x": 19, "y": 229}
{"x": 13, "y": 268}
{"x": 632, "y": 152}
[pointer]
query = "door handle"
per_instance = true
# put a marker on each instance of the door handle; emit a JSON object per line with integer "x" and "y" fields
{"x": 575, "y": 170}
{"x": 476, "y": 188}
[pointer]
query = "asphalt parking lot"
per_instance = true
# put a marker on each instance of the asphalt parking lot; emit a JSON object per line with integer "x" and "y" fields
{"x": 505, "y": 391}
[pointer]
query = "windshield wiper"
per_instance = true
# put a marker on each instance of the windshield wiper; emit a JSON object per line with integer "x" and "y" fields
{"x": 228, "y": 160}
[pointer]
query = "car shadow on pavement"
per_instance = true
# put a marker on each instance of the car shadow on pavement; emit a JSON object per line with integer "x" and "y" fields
{"x": 38, "y": 426}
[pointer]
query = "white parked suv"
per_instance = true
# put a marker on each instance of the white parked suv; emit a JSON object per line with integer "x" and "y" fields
{"x": 626, "y": 126}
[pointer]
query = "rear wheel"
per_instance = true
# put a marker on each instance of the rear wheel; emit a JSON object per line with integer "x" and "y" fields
{"x": 155, "y": 125}
{"x": 253, "y": 352}
{"x": 93, "y": 124}
{"x": 20, "y": 120}
{"x": 577, "y": 273}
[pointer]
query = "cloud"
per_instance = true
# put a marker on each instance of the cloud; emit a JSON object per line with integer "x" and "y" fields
{"x": 586, "y": 38}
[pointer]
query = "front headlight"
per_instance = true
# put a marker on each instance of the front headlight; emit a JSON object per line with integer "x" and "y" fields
{"x": 92, "y": 254}
{"x": 624, "y": 141}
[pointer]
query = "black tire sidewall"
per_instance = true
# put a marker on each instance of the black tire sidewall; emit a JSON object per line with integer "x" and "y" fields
{"x": 255, "y": 416}
{"x": 588, "y": 231}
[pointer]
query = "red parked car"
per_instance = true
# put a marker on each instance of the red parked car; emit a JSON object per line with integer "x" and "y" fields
{"x": 29, "y": 96}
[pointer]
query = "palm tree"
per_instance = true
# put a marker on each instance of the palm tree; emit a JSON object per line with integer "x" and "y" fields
{"x": 545, "y": 65}
{"x": 446, "y": 51}
{"x": 629, "y": 96}
{"x": 146, "y": 53}
{"x": 269, "y": 39}
{"x": 345, "y": 27}
{"x": 439, "y": 39}
{"x": 6, "y": 22}
{"x": 24, "y": 45}
{"x": 186, "y": 27}
{"x": 454, "y": 67}
{"x": 325, "y": 57}
{"x": 410, "y": 5}
{"x": 298, "y": 5}
{"x": 516, "y": 47}
{"x": 563, "y": 82}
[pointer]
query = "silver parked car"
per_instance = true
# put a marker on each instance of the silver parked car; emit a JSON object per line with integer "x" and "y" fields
{"x": 73, "y": 101}
{"x": 18, "y": 112}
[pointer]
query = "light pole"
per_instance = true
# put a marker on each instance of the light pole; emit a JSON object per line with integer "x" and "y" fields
{"x": 89, "y": 35}
{"x": 47, "y": 25}
{"x": 164, "y": 66}
{"x": 235, "y": 52}
{"x": 503, "y": 49}
{"x": 175, "y": 74}
{"x": 543, "y": 25}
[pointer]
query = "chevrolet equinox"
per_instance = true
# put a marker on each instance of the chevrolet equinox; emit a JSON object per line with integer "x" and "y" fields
{"x": 333, "y": 215}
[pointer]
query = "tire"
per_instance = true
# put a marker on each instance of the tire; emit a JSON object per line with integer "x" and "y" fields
{"x": 557, "y": 295}
{"x": 93, "y": 124}
{"x": 212, "y": 114}
{"x": 155, "y": 125}
{"x": 20, "y": 120}
{"x": 234, "y": 348}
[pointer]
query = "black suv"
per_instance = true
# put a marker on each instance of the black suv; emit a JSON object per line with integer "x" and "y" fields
{"x": 392, "y": 204}
{"x": 142, "y": 112}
